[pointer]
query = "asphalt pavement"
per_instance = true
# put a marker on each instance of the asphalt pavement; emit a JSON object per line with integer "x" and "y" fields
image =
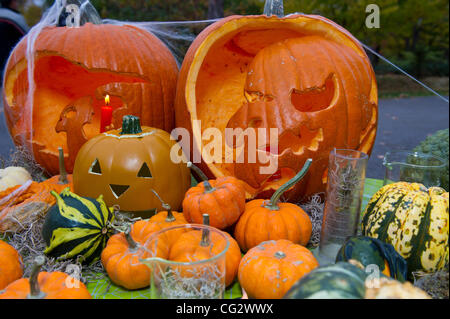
{"x": 403, "y": 124}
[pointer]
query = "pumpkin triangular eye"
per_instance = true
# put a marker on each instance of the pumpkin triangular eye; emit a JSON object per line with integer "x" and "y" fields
{"x": 95, "y": 168}
{"x": 144, "y": 171}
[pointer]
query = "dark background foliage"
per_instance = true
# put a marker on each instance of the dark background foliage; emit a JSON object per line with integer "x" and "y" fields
{"x": 414, "y": 34}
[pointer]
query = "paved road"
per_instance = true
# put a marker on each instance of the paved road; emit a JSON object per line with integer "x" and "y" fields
{"x": 403, "y": 123}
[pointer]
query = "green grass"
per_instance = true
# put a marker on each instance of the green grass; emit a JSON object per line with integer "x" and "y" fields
{"x": 400, "y": 86}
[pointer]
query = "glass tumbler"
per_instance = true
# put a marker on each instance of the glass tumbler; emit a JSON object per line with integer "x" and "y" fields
{"x": 413, "y": 167}
{"x": 345, "y": 187}
{"x": 200, "y": 275}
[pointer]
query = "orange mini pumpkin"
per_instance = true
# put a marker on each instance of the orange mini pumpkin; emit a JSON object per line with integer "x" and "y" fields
{"x": 223, "y": 199}
{"x": 270, "y": 220}
{"x": 10, "y": 264}
{"x": 74, "y": 69}
{"x": 302, "y": 74}
{"x": 198, "y": 245}
{"x": 46, "y": 285}
{"x": 268, "y": 270}
{"x": 122, "y": 253}
{"x": 124, "y": 165}
{"x": 63, "y": 180}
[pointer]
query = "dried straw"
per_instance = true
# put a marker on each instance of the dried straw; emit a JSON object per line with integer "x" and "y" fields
{"x": 22, "y": 157}
{"x": 314, "y": 208}
{"x": 435, "y": 284}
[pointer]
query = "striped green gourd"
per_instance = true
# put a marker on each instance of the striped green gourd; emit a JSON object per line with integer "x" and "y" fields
{"x": 414, "y": 220}
{"x": 77, "y": 226}
{"x": 337, "y": 281}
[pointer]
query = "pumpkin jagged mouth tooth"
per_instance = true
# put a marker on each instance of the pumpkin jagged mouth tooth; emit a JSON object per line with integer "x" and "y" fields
{"x": 306, "y": 139}
{"x": 118, "y": 190}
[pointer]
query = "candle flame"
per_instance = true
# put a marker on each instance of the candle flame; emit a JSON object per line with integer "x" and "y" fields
{"x": 107, "y": 99}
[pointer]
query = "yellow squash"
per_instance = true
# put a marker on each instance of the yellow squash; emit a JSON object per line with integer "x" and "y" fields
{"x": 413, "y": 219}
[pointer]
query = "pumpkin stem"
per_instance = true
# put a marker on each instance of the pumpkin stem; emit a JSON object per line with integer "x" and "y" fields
{"x": 35, "y": 291}
{"x": 131, "y": 125}
{"x": 131, "y": 243}
{"x": 205, "y": 232}
{"x": 272, "y": 7}
{"x": 62, "y": 168}
{"x": 279, "y": 255}
{"x": 170, "y": 217}
{"x": 273, "y": 203}
{"x": 206, "y": 183}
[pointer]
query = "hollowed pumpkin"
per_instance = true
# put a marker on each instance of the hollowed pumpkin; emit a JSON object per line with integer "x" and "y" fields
{"x": 302, "y": 74}
{"x": 74, "y": 69}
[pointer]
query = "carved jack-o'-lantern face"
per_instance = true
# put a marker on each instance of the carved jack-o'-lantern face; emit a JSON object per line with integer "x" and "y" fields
{"x": 125, "y": 165}
{"x": 316, "y": 101}
{"x": 74, "y": 69}
{"x": 304, "y": 75}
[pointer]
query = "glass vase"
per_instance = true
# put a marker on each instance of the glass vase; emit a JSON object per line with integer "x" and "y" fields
{"x": 199, "y": 278}
{"x": 345, "y": 187}
{"x": 413, "y": 167}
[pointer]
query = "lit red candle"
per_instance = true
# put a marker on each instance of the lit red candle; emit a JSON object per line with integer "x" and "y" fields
{"x": 106, "y": 115}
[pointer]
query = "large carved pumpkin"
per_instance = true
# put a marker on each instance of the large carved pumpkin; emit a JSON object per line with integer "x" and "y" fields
{"x": 302, "y": 74}
{"x": 74, "y": 69}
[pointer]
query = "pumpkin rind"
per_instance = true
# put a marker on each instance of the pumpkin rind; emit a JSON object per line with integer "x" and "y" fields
{"x": 77, "y": 226}
{"x": 371, "y": 251}
{"x": 414, "y": 220}
{"x": 10, "y": 264}
{"x": 338, "y": 281}
{"x": 268, "y": 270}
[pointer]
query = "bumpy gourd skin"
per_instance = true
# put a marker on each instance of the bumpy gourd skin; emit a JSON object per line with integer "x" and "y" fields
{"x": 413, "y": 219}
{"x": 437, "y": 145}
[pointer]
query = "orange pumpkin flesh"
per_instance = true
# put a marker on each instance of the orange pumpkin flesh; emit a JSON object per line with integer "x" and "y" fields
{"x": 303, "y": 74}
{"x": 78, "y": 67}
{"x": 269, "y": 270}
{"x": 10, "y": 264}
